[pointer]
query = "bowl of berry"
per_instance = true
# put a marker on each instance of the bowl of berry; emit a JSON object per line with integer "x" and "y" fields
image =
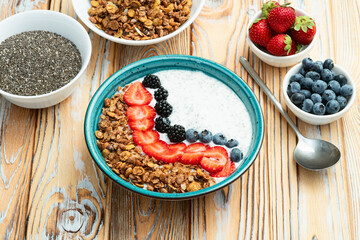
{"x": 318, "y": 92}
{"x": 148, "y": 128}
{"x": 281, "y": 35}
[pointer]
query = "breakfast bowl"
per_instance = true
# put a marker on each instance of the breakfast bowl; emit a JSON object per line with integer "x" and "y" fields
{"x": 155, "y": 65}
{"x": 82, "y": 7}
{"x": 280, "y": 61}
{"x": 312, "y": 118}
{"x": 54, "y": 22}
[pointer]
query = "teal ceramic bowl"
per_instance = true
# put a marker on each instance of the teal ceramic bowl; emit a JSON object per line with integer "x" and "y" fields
{"x": 146, "y": 66}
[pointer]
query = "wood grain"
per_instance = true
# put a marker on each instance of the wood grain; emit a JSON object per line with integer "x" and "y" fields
{"x": 51, "y": 189}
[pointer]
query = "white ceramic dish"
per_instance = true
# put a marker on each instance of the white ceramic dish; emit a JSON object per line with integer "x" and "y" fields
{"x": 312, "y": 118}
{"x": 54, "y": 22}
{"x": 81, "y": 8}
{"x": 286, "y": 60}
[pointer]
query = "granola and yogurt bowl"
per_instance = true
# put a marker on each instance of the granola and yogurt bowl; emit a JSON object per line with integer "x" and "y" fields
{"x": 131, "y": 142}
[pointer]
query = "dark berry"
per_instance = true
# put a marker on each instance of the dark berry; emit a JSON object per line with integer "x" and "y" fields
{"x": 206, "y": 136}
{"x": 296, "y": 78}
{"x": 236, "y": 155}
{"x": 307, "y": 105}
{"x": 294, "y": 87}
{"x": 306, "y": 93}
{"x": 151, "y": 81}
{"x": 328, "y": 64}
{"x": 335, "y": 86}
{"x": 297, "y": 98}
{"x": 192, "y": 135}
{"x": 346, "y": 90}
{"x": 319, "y": 86}
{"x": 232, "y": 143}
{"x": 327, "y": 75}
{"x": 307, "y": 63}
{"x": 177, "y": 133}
{"x": 219, "y": 139}
{"x": 302, "y": 71}
{"x": 317, "y": 66}
{"x": 342, "y": 101}
{"x": 313, "y": 75}
{"x": 341, "y": 79}
{"x": 319, "y": 109}
{"x": 163, "y": 108}
{"x": 161, "y": 94}
{"x": 316, "y": 98}
{"x": 306, "y": 83}
{"x": 162, "y": 124}
{"x": 332, "y": 106}
{"x": 328, "y": 95}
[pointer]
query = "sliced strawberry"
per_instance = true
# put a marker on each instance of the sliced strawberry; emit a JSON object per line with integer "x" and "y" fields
{"x": 196, "y": 147}
{"x": 191, "y": 158}
{"x": 178, "y": 146}
{"x": 170, "y": 156}
{"x": 155, "y": 149}
{"x": 137, "y": 95}
{"x": 140, "y": 112}
{"x": 145, "y": 137}
{"x": 142, "y": 125}
{"x": 214, "y": 159}
{"x": 226, "y": 171}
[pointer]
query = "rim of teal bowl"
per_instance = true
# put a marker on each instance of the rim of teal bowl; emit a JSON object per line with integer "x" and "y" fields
{"x": 97, "y": 101}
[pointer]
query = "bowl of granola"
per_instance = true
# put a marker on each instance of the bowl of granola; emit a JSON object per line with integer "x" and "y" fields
{"x": 135, "y": 127}
{"x": 137, "y": 22}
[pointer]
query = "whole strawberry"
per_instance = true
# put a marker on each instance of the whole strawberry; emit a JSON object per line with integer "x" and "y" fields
{"x": 267, "y": 7}
{"x": 303, "y": 30}
{"x": 281, "y": 18}
{"x": 281, "y": 45}
{"x": 260, "y": 32}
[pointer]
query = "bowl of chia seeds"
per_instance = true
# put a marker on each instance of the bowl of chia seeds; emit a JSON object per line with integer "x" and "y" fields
{"x": 42, "y": 57}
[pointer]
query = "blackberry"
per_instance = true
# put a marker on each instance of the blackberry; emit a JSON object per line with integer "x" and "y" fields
{"x": 161, "y": 94}
{"x": 177, "y": 133}
{"x": 162, "y": 125}
{"x": 151, "y": 81}
{"x": 163, "y": 108}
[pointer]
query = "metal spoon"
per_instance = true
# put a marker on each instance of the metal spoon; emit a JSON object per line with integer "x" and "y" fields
{"x": 313, "y": 154}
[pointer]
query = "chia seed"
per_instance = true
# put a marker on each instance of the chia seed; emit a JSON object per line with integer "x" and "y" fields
{"x": 37, "y": 62}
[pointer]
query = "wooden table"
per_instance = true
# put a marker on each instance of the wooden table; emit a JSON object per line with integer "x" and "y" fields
{"x": 51, "y": 189}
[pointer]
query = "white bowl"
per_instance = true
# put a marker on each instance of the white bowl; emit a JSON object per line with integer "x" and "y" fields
{"x": 312, "y": 118}
{"x": 284, "y": 61}
{"x": 54, "y": 22}
{"x": 81, "y": 8}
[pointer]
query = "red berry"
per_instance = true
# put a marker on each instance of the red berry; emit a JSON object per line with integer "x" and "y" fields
{"x": 137, "y": 95}
{"x": 140, "y": 112}
{"x": 196, "y": 147}
{"x": 142, "y": 124}
{"x": 260, "y": 32}
{"x": 214, "y": 159}
{"x": 155, "y": 149}
{"x": 145, "y": 137}
{"x": 280, "y": 45}
{"x": 303, "y": 30}
{"x": 226, "y": 171}
{"x": 281, "y": 19}
{"x": 178, "y": 146}
{"x": 193, "y": 154}
{"x": 170, "y": 156}
{"x": 267, "y": 7}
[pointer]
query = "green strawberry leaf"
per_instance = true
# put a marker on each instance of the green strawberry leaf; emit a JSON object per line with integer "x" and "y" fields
{"x": 304, "y": 23}
{"x": 266, "y": 8}
{"x": 298, "y": 47}
{"x": 288, "y": 43}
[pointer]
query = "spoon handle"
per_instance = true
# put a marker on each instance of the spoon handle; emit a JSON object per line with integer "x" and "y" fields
{"x": 268, "y": 92}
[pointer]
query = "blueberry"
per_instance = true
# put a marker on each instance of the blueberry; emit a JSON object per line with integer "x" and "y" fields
{"x": 296, "y": 78}
{"x": 232, "y": 143}
{"x": 307, "y": 63}
{"x": 302, "y": 71}
{"x": 319, "y": 109}
{"x": 328, "y": 95}
{"x": 335, "y": 86}
{"x": 236, "y": 155}
{"x": 297, "y": 98}
{"x": 206, "y": 136}
{"x": 219, "y": 139}
{"x": 307, "y": 105}
{"x": 319, "y": 86}
{"x": 341, "y": 79}
{"x": 332, "y": 106}
{"x": 306, "y": 93}
{"x": 313, "y": 75}
{"x": 306, "y": 83}
{"x": 317, "y": 66}
{"x": 192, "y": 135}
{"x": 327, "y": 75}
{"x": 328, "y": 64}
{"x": 346, "y": 90}
{"x": 294, "y": 87}
{"x": 316, "y": 98}
{"x": 342, "y": 101}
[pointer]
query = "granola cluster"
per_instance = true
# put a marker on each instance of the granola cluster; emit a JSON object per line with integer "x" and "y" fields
{"x": 114, "y": 139}
{"x": 139, "y": 19}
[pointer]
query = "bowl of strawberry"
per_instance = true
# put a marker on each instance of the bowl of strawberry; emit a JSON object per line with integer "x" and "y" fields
{"x": 281, "y": 35}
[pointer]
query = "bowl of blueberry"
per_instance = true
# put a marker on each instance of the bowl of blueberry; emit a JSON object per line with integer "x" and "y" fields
{"x": 318, "y": 92}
